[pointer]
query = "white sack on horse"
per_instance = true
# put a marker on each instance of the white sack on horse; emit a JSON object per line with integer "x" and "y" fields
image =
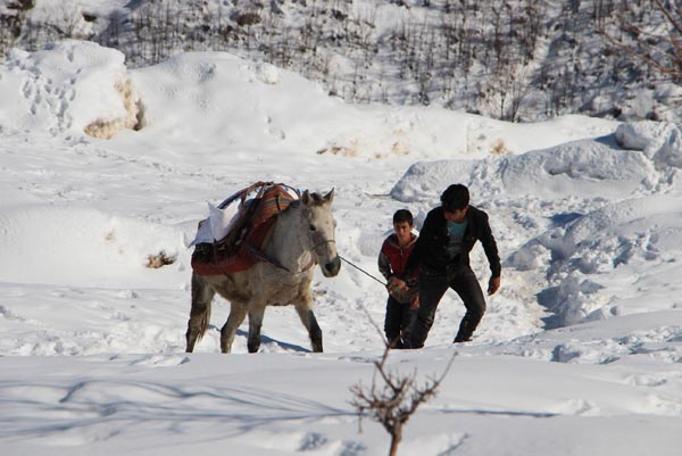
{"x": 220, "y": 222}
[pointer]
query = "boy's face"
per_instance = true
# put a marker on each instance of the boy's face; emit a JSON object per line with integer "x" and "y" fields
{"x": 403, "y": 231}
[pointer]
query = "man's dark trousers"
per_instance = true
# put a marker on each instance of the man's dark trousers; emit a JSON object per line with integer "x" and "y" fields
{"x": 432, "y": 287}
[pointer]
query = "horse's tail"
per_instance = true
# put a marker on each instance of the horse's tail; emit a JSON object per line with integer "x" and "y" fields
{"x": 203, "y": 321}
{"x": 200, "y": 315}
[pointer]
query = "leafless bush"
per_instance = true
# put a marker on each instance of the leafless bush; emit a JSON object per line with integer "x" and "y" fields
{"x": 160, "y": 259}
{"x": 393, "y": 397}
{"x": 499, "y": 148}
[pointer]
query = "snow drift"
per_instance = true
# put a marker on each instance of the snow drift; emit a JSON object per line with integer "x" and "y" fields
{"x": 70, "y": 87}
{"x": 83, "y": 247}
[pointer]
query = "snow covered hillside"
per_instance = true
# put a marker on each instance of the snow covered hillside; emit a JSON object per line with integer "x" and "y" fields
{"x": 580, "y": 352}
{"x": 507, "y": 59}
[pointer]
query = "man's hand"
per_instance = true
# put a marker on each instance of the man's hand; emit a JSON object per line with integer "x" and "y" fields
{"x": 493, "y": 285}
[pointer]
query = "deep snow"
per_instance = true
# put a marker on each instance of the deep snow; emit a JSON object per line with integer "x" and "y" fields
{"x": 579, "y": 353}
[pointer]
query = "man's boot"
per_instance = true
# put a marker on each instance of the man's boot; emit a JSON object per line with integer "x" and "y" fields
{"x": 465, "y": 331}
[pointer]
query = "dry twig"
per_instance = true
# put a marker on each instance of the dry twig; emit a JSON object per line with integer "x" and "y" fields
{"x": 393, "y": 399}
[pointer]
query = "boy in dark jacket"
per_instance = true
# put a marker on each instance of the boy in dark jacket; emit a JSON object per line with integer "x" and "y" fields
{"x": 441, "y": 260}
{"x": 401, "y": 308}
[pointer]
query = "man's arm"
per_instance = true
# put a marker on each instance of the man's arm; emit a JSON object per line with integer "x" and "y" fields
{"x": 490, "y": 247}
{"x": 420, "y": 248}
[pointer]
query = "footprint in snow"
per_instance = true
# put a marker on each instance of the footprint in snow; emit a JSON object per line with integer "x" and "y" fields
{"x": 577, "y": 407}
{"x": 161, "y": 361}
{"x": 647, "y": 380}
{"x": 313, "y": 441}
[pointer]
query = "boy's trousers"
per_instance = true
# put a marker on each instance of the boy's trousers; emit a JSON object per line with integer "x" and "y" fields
{"x": 399, "y": 321}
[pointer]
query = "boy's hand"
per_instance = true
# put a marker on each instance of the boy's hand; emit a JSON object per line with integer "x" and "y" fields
{"x": 396, "y": 284}
{"x": 493, "y": 285}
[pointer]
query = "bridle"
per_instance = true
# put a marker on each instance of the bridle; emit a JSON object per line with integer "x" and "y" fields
{"x": 323, "y": 242}
{"x": 313, "y": 261}
{"x": 315, "y": 250}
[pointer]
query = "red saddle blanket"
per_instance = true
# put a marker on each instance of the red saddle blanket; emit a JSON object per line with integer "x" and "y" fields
{"x": 242, "y": 247}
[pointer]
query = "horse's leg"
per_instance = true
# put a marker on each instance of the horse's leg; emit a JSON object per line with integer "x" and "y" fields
{"x": 308, "y": 319}
{"x": 199, "y": 316}
{"x": 236, "y": 317}
{"x": 255, "y": 323}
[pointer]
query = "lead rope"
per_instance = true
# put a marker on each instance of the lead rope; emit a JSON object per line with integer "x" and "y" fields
{"x": 362, "y": 270}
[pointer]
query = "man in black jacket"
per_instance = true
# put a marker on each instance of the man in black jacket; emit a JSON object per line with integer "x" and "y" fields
{"x": 441, "y": 260}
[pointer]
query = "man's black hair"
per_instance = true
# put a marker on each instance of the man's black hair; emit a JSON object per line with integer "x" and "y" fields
{"x": 403, "y": 215}
{"x": 455, "y": 197}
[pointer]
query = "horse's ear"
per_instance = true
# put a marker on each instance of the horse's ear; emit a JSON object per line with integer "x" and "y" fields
{"x": 329, "y": 197}
{"x": 305, "y": 197}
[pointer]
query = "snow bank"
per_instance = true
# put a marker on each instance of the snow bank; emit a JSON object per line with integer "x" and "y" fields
{"x": 641, "y": 230}
{"x": 640, "y": 135}
{"x": 66, "y": 88}
{"x": 662, "y": 142}
{"x": 84, "y": 247}
{"x": 196, "y": 96}
{"x": 606, "y": 342}
{"x": 221, "y": 101}
{"x": 425, "y": 180}
{"x": 588, "y": 168}
{"x": 593, "y": 167}
{"x": 650, "y": 154}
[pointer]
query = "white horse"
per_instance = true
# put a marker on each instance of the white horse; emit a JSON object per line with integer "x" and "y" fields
{"x": 303, "y": 235}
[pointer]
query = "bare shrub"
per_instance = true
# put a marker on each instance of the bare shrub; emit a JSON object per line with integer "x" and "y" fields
{"x": 393, "y": 397}
{"x": 343, "y": 151}
{"x": 155, "y": 261}
{"x": 499, "y": 148}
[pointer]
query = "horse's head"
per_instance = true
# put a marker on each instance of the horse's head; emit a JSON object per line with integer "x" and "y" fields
{"x": 321, "y": 228}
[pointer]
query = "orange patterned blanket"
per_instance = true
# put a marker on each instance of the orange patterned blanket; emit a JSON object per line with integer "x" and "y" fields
{"x": 241, "y": 248}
